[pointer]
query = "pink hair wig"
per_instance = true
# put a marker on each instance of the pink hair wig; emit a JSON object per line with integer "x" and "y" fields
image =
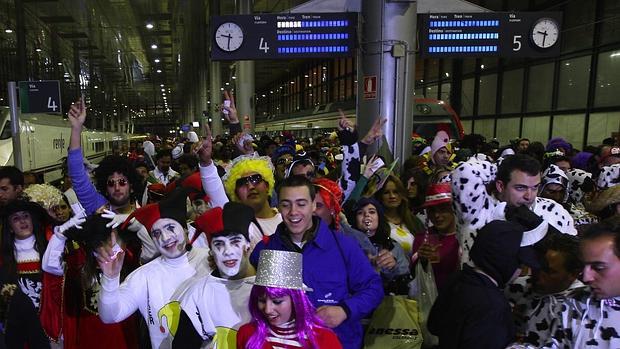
{"x": 304, "y": 315}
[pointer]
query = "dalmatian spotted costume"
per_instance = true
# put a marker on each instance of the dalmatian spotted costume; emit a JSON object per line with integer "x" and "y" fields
{"x": 476, "y": 207}
{"x": 539, "y": 311}
{"x": 555, "y": 175}
{"x": 609, "y": 176}
{"x": 587, "y": 323}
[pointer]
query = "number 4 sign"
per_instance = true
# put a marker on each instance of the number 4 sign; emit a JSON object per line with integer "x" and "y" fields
{"x": 40, "y": 97}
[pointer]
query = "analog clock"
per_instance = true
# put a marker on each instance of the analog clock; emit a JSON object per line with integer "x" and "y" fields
{"x": 229, "y": 36}
{"x": 545, "y": 33}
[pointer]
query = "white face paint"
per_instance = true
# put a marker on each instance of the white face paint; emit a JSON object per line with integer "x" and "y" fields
{"x": 229, "y": 254}
{"x": 169, "y": 237}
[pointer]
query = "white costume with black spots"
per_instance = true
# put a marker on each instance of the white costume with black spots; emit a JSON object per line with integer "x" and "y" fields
{"x": 215, "y": 304}
{"x": 475, "y": 207}
{"x": 609, "y": 176}
{"x": 149, "y": 289}
{"x": 538, "y": 313}
{"x": 577, "y": 178}
{"x": 587, "y": 323}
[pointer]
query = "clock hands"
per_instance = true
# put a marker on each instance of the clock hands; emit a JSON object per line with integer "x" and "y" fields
{"x": 544, "y": 36}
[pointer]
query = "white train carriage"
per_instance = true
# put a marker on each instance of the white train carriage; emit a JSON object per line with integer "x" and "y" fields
{"x": 44, "y": 142}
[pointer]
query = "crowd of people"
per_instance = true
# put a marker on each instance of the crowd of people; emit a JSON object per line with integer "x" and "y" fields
{"x": 234, "y": 241}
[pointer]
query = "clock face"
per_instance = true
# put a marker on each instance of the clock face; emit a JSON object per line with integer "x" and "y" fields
{"x": 229, "y": 36}
{"x": 545, "y": 33}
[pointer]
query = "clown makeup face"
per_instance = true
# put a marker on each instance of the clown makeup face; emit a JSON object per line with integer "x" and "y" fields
{"x": 169, "y": 237}
{"x": 277, "y": 311}
{"x": 21, "y": 224}
{"x": 230, "y": 254}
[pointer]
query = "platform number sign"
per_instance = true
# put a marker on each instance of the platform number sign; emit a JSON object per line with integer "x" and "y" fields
{"x": 491, "y": 34}
{"x": 40, "y": 97}
{"x": 283, "y": 36}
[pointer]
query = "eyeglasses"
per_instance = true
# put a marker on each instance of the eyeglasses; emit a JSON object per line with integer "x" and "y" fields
{"x": 121, "y": 182}
{"x": 255, "y": 179}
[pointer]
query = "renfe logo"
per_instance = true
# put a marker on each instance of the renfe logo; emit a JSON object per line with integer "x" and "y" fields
{"x": 58, "y": 143}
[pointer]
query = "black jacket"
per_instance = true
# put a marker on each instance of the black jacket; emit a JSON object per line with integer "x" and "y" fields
{"x": 471, "y": 312}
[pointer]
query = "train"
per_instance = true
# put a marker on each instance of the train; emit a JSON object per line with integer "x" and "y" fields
{"x": 44, "y": 142}
{"x": 429, "y": 116}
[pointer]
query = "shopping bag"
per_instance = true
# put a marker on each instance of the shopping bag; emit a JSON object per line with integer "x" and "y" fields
{"x": 424, "y": 291}
{"x": 394, "y": 325}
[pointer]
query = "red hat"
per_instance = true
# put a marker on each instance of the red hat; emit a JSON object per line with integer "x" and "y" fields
{"x": 233, "y": 218}
{"x": 173, "y": 207}
{"x": 194, "y": 185}
{"x": 437, "y": 194}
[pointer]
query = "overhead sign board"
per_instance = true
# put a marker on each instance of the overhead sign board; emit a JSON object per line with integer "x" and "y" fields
{"x": 40, "y": 96}
{"x": 283, "y": 36}
{"x": 499, "y": 34}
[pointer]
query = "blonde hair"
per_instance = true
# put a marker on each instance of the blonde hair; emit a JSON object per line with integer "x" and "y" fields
{"x": 242, "y": 165}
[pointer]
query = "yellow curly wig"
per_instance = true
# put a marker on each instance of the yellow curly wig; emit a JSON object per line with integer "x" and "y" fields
{"x": 244, "y": 165}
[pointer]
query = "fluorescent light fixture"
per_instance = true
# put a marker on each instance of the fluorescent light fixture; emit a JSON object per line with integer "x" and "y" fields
{"x": 158, "y": 70}
{"x": 154, "y": 46}
{"x": 195, "y": 124}
{"x": 157, "y": 60}
{"x": 149, "y": 26}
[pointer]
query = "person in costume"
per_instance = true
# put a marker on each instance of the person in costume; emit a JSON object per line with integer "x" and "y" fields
{"x": 250, "y": 181}
{"x": 439, "y": 245}
{"x": 591, "y": 318}
{"x": 282, "y": 314}
{"x": 215, "y": 306}
{"x": 79, "y": 276}
{"x": 149, "y": 289}
{"x": 114, "y": 176}
{"x": 351, "y": 289}
{"x": 516, "y": 181}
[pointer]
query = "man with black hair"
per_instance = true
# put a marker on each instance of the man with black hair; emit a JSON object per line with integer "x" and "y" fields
{"x": 592, "y": 319}
{"x": 345, "y": 286}
{"x": 11, "y": 184}
{"x": 484, "y": 192}
{"x": 216, "y": 305}
{"x": 471, "y": 310}
{"x": 162, "y": 172}
{"x": 114, "y": 176}
{"x": 537, "y": 299}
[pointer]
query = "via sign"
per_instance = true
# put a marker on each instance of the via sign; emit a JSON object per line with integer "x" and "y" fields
{"x": 40, "y": 97}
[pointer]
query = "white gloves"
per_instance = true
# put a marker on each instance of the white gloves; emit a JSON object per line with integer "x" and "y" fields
{"x": 74, "y": 221}
{"x": 117, "y": 219}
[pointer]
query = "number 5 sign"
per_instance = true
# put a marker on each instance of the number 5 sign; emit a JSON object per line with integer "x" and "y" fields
{"x": 40, "y": 97}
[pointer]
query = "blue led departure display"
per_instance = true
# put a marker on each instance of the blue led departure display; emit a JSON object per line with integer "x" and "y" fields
{"x": 289, "y": 35}
{"x": 503, "y": 34}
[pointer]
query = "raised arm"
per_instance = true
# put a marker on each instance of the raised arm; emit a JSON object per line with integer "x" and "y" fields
{"x": 86, "y": 193}
{"x": 211, "y": 182}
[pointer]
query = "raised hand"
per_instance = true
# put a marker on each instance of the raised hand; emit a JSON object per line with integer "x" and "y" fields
{"x": 110, "y": 257}
{"x": 116, "y": 219}
{"x": 243, "y": 142}
{"x": 375, "y": 132}
{"x": 231, "y": 117}
{"x": 204, "y": 148}
{"x": 77, "y": 113}
{"x": 344, "y": 123}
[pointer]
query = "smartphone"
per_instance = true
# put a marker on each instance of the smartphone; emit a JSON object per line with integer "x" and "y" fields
{"x": 226, "y": 104}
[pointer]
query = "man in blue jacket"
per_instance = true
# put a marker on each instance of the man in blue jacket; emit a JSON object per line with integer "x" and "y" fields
{"x": 345, "y": 286}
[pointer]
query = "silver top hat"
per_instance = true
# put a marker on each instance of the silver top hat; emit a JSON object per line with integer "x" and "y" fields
{"x": 281, "y": 269}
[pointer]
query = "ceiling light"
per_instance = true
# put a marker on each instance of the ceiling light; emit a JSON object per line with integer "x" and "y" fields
{"x": 154, "y": 46}
{"x": 96, "y": 86}
{"x": 8, "y": 30}
{"x": 161, "y": 85}
{"x": 59, "y": 63}
{"x": 149, "y": 26}
{"x": 163, "y": 90}
{"x": 38, "y": 49}
{"x": 156, "y": 60}
{"x": 159, "y": 70}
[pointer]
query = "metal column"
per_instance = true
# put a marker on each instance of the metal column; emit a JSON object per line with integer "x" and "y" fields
{"x": 215, "y": 96}
{"x": 387, "y": 52}
{"x": 244, "y": 96}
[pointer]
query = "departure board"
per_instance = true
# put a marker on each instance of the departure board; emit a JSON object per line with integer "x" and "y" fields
{"x": 500, "y": 34}
{"x": 283, "y": 36}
